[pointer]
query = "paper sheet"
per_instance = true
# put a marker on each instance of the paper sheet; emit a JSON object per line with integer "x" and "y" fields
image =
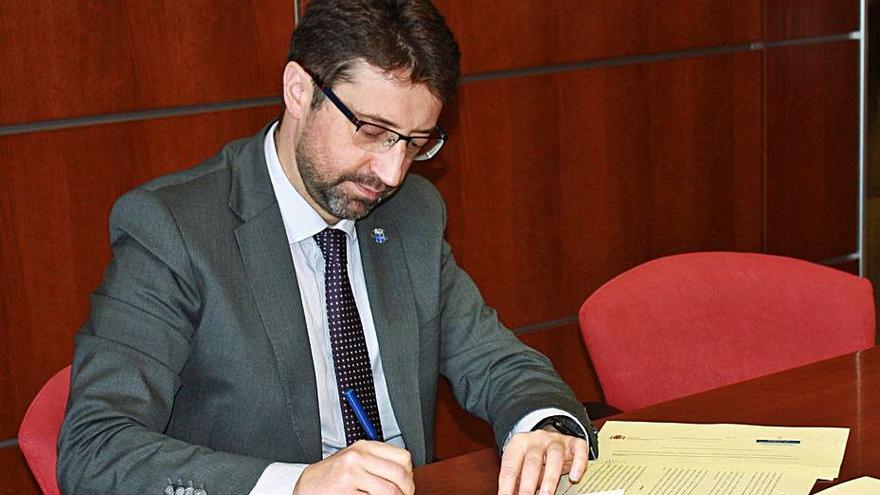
{"x": 816, "y": 452}
{"x": 721, "y": 459}
{"x": 865, "y": 485}
{"x": 640, "y": 479}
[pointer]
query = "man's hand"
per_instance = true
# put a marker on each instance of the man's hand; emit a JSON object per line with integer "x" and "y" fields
{"x": 540, "y": 456}
{"x": 364, "y": 467}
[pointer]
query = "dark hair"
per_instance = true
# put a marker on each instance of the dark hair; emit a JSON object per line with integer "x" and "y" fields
{"x": 387, "y": 34}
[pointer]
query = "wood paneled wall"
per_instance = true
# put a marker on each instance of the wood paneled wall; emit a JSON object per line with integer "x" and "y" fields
{"x": 88, "y": 97}
{"x": 592, "y": 136}
{"x": 589, "y": 136}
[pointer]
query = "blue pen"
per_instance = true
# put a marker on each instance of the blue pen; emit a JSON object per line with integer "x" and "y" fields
{"x": 360, "y": 413}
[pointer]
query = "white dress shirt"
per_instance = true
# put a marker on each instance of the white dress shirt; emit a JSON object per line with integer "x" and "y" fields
{"x": 301, "y": 222}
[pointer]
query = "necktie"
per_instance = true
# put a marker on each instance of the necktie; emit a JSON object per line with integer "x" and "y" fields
{"x": 351, "y": 360}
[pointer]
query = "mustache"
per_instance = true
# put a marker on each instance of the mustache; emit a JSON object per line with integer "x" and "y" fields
{"x": 370, "y": 181}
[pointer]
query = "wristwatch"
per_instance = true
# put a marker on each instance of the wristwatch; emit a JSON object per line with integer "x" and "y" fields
{"x": 563, "y": 424}
{"x": 570, "y": 427}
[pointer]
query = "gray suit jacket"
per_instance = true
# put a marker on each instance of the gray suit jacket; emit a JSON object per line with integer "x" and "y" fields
{"x": 195, "y": 366}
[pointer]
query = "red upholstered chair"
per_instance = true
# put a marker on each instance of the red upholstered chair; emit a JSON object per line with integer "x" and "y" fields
{"x": 38, "y": 433}
{"x": 682, "y": 324}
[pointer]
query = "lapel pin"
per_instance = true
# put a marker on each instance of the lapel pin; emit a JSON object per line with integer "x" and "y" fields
{"x": 379, "y": 236}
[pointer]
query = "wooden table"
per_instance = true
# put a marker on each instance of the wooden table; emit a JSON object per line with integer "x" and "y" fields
{"x": 843, "y": 391}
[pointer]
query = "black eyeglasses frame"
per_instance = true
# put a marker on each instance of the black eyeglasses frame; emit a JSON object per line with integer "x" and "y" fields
{"x": 439, "y": 134}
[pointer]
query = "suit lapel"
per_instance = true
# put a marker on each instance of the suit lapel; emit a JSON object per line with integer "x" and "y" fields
{"x": 269, "y": 268}
{"x": 394, "y": 315}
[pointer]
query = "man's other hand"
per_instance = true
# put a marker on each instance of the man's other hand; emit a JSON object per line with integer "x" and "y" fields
{"x": 364, "y": 467}
{"x": 534, "y": 461}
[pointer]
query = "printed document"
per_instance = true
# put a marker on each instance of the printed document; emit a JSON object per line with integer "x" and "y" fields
{"x": 694, "y": 459}
{"x": 645, "y": 479}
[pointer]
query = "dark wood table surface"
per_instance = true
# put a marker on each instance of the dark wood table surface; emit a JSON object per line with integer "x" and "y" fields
{"x": 843, "y": 391}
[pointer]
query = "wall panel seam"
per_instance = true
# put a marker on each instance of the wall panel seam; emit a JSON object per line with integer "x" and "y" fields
{"x": 863, "y": 127}
{"x": 544, "y": 325}
{"x": 124, "y": 117}
{"x": 653, "y": 57}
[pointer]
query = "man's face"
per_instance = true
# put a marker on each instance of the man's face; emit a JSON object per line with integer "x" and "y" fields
{"x": 343, "y": 180}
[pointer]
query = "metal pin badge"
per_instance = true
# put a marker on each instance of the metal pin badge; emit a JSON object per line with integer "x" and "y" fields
{"x": 379, "y": 236}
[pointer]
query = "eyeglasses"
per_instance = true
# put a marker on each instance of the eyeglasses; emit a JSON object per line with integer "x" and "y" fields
{"x": 379, "y": 139}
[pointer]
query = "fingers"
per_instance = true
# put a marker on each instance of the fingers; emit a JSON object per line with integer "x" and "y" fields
{"x": 365, "y": 467}
{"x": 522, "y": 463}
{"x": 532, "y": 466}
{"x": 378, "y": 485}
{"x": 553, "y": 466}
{"x": 511, "y": 462}
{"x": 537, "y": 460}
{"x": 579, "y": 452}
{"x": 386, "y": 451}
{"x": 390, "y": 467}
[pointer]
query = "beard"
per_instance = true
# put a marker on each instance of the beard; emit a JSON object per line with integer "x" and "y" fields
{"x": 328, "y": 191}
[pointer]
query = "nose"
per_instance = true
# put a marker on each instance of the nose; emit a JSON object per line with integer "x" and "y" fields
{"x": 391, "y": 166}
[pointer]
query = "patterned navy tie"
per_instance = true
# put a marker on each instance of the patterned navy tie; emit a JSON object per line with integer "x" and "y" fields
{"x": 351, "y": 359}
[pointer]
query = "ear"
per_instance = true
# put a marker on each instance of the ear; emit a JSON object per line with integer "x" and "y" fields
{"x": 297, "y": 90}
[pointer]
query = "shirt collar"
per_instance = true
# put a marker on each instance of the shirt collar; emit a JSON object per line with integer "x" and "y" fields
{"x": 301, "y": 221}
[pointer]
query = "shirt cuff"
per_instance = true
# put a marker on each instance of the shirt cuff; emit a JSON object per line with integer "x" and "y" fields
{"x": 278, "y": 478}
{"x": 531, "y": 419}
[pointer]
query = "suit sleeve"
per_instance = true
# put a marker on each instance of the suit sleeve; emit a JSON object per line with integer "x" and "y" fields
{"x": 127, "y": 362}
{"x": 492, "y": 373}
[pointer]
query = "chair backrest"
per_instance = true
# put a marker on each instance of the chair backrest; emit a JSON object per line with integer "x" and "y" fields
{"x": 38, "y": 433}
{"x": 682, "y": 324}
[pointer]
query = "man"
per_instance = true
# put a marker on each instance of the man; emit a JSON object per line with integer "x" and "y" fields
{"x": 248, "y": 295}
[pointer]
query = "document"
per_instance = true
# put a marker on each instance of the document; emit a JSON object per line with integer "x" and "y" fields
{"x": 865, "y": 485}
{"x": 642, "y": 479}
{"x": 724, "y": 459}
{"x": 810, "y": 451}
